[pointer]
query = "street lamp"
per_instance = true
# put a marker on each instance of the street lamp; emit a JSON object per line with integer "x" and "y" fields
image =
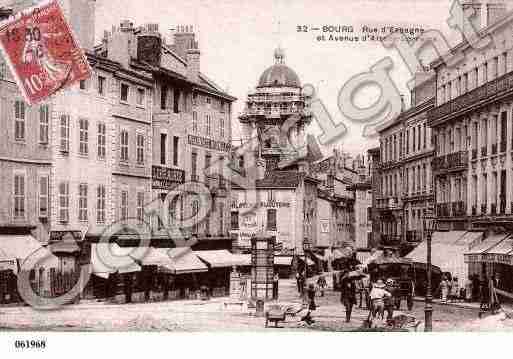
{"x": 306, "y": 247}
{"x": 429, "y": 227}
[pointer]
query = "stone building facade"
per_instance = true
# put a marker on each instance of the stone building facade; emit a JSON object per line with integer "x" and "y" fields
{"x": 405, "y": 180}
{"x": 473, "y": 131}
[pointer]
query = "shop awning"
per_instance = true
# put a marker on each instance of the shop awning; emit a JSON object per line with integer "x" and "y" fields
{"x": 470, "y": 239}
{"x": 66, "y": 247}
{"x": 476, "y": 253}
{"x": 219, "y": 258}
{"x": 22, "y": 247}
{"x": 8, "y": 263}
{"x": 309, "y": 262}
{"x": 109, "y": 258}
{"x": 447, "y": 253}
{"x": 501, "y": 253}
{"x": 245, "y": 259}
{"x": 151, "y": 256}
{"x": 184, "y": 261}
{"x": 283, "y": 261}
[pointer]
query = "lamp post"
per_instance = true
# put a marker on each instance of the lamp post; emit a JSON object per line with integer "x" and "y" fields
{"x": 429, "y": 226}
{"x": 306, "y": 247}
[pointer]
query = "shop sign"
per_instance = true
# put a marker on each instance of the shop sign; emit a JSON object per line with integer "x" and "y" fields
{"x": 269, "y": 204}
{"x": 165, "y": 178}
{"x": 41, "y": 51}
{"x": 325, "y": 226}
{"x": 209, "y": 143}
{"x": 472, "y": 258}
{"x": 65, "y": 236}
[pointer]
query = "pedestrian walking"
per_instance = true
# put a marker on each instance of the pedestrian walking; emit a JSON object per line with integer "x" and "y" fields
{"x": 366, "y": 289}
{"x": 348, "y": 296}
{"x": 468, "y": 289}
{"x": 476, "y": 295}
{"x": 444, "y": 289}
{"x": 484, "y": 291}
{"x": 389, "y": 301}
{"x": 455, "y": 289}
{"x": 322, "y": 284}
{"x": 298, "y": 281}
{"x": 276, "y": 280}
{"x": 311, "y": 305}
{"x": 377, "y": 297}
{"x": 359, "y": 292}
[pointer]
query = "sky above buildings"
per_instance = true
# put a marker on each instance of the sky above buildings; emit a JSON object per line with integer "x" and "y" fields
{"x": 237, "y": 40}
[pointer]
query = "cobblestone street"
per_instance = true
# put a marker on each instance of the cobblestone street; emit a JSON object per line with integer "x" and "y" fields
{"x": 214, "y": 315}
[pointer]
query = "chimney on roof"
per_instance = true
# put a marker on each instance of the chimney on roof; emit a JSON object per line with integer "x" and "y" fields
{"x": 121, "y": 44}
{"x": 184, "y": 38}
{"x": 149, "y": 44}
{"x": 495, "y": 11}
{"x": 472, "y": 11}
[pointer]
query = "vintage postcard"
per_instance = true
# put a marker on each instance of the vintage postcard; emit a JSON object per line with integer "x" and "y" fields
{"x": 256, "y": 166}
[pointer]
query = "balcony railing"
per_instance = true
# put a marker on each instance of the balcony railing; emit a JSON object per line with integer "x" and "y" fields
{"x": 459, "y": 209}
{"x": 474, "y": 98}
{"x": 456, "y": 160}
{"x": 390, "y": 240}
{"x": 413, "y": 236}
{"x": 443, "y": 210}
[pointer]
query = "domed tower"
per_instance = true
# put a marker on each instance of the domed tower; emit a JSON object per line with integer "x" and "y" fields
{"x": 276, "y": 114}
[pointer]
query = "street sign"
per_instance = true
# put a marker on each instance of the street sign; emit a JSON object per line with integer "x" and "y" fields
{"x": 41, "y": 51}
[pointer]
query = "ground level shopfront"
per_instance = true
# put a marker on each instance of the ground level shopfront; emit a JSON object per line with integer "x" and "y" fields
{"x": 124, "y": 274}
{"x": 448, "y": 251}
{"x": 493, "y": 257}
{"x": 24, "y": 252}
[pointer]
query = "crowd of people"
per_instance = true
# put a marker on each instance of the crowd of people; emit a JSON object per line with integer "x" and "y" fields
{"x": 356, "y": 289}
{"x": 475, "y": 289}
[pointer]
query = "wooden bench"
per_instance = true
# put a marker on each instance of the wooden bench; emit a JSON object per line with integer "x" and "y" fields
{"x": 275, "y": 314}
{"x": 227, "y": 304}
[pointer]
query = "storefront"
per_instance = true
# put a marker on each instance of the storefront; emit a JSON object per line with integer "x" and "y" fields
{"x": 220, "y": 264}
{"x": 24, "y": 252}
{"x": 478, "y": 259}
{"x": 448, "y": 251}
{"x": 494, "y": 257}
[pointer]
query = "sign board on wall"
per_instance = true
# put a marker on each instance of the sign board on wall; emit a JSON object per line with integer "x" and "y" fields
{"x": 41, "y": 51}
{"x": 325, "y": 225}
{"x": 166, "y": 178}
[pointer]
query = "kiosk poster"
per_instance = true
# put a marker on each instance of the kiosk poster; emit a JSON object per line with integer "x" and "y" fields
{"x": 41, "y": 51}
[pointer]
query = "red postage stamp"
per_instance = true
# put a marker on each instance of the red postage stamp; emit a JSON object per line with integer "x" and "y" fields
{"x": 42, "y": 52}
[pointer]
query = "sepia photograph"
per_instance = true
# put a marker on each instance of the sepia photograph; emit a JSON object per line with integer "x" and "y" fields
{"x": 266, "y": 167}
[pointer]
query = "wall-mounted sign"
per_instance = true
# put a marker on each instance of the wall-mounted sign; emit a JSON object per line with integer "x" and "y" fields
{"x": 325, "y": 225}
{"x": 41, "y": 51}
{"x": 270, "y": 204}
{"x": 166, "y": 178}
{"x": 209, "y": 143}
{"x": 65, "y": 236}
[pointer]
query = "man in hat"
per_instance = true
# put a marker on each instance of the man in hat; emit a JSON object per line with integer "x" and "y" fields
{"x": 347, "y": 295}
{"x": 377, "y": 296}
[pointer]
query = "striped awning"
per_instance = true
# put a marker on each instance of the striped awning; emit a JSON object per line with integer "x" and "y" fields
{"x": 476, "y": 254}
{"x": 501, "y": 253}
{"x": 109, "y": 258}
{"x": 183, "y": 261}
